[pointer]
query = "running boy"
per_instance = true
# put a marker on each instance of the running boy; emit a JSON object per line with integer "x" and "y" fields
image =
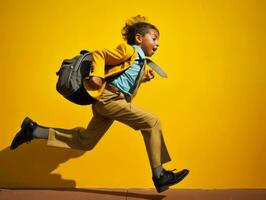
{"x": 114, "y": 79}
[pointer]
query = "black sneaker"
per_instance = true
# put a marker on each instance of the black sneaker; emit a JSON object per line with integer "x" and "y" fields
{"x": 168, "y": 178}
{"x": 25, "y": 134}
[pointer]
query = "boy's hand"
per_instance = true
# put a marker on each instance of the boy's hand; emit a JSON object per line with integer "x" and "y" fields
{"x": 95, "y": 82}
{"x": 148, "y": 76}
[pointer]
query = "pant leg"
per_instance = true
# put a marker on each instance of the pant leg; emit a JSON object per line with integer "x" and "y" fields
{"x": 80, "y": 138}
{"x": 149, "y": 125}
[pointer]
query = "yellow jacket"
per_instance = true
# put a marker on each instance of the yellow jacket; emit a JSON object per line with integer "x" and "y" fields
{"x": 107, "y": 63}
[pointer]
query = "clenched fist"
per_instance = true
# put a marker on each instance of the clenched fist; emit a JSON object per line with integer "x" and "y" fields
{"x": 95, "y": 82}
{"x": 148, "y": 76}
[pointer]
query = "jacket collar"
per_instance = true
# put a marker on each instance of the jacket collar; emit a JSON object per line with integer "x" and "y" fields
{"x": 139, "y": 50}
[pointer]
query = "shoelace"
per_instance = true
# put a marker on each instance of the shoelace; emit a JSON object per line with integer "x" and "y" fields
{"x": 168, "y": 172}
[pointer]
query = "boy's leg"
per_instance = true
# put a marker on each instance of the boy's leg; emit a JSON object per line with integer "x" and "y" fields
{"x": 80, "y": 138}
{"x": 119, "y": 109}
{"x": 151, "y": 143}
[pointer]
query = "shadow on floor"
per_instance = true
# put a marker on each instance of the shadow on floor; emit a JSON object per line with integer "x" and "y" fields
{"x": 32, "y": 164}
{"x": 116, "y": 193}
{"x": 112, "y": 192}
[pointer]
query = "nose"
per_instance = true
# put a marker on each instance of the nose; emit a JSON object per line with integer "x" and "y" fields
{"x": 157, "y": 43}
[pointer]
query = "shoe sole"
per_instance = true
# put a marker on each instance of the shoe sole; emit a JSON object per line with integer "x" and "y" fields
{"x": 25, "y": 122}
{"x": 162, "y": 189}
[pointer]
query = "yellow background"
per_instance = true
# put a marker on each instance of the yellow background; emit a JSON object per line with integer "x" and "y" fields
{"x": 212, "y": 106}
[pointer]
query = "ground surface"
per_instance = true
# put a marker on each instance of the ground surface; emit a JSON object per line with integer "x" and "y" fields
{"x": 130, "y": 194}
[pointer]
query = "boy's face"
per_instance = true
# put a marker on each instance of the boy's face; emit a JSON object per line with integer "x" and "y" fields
{"x": 149, "y": 42}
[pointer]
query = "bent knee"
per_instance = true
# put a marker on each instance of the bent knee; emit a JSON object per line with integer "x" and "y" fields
{"x": 153, "y": 122}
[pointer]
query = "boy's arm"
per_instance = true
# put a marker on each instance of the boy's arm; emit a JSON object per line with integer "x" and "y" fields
{"x": 107, "y": 57}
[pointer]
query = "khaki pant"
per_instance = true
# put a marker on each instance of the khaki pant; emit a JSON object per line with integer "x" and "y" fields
{"x": 113, "y": 106}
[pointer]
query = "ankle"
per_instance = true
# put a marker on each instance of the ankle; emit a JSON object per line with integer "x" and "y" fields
{"x": 157, "y": 171}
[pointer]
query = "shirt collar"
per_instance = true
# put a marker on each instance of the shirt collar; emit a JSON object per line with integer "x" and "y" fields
{"x": 139, "y": 50}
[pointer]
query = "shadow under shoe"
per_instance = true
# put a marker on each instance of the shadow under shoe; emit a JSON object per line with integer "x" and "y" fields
{"x": 168, "y": 178}
{"x": 25, "y": 134}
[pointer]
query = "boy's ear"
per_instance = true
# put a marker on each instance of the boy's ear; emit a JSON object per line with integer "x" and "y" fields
{"x": 138, "y": 38}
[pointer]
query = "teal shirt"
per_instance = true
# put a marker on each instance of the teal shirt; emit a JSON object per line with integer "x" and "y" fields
{"x": 126, "y": 82}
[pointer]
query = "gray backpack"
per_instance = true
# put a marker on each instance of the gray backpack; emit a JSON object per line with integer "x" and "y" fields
{"x": 70, "y": 78}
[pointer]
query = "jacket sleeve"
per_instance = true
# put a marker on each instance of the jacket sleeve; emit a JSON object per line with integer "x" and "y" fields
{"x": 109, "y": 57}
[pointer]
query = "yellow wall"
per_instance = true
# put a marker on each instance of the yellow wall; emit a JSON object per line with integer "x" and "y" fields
{"x": 212, "y": 106}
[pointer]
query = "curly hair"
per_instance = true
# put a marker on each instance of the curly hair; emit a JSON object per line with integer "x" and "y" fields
{"x": 136, "y": 25}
